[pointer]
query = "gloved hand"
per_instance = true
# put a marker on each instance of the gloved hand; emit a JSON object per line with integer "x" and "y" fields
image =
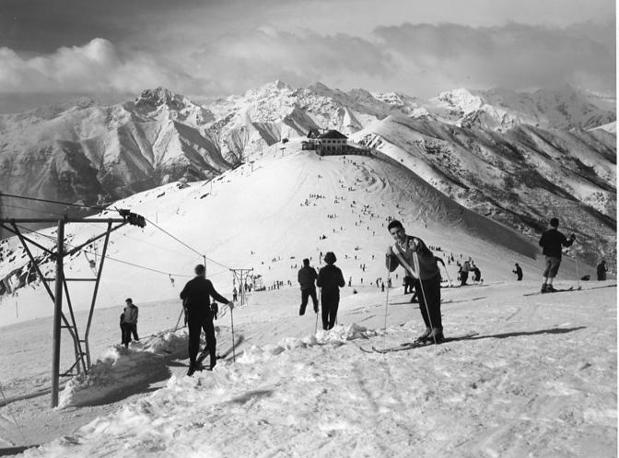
{"x": 230, "y": 305}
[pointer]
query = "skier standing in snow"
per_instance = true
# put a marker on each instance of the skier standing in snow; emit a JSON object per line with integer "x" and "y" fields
{"x": 463, "y": 274}
{"x": 420, "y": 264}
{"x": 196, "y": 296}
{"x": 552, "y": 242}
{"x": 330, "y": 280}
{"x": 306, "y": 277}
{"x": 130, "y": 320}
{"x": 125, "y": 337}
{"x": 601, "y": 270}
{"x": 476, "y": 272}
{"x": 518, "y": 272}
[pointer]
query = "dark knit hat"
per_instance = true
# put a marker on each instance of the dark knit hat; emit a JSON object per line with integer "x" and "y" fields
{"x": 330, "y": 257}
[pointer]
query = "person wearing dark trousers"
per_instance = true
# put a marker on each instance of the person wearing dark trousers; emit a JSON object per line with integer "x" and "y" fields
{"x": 131, "y": 319}
{"x": 307, "y": 277}
{"x": 125, "y": 334}
{"x": 330, "y": 280}
{"x": 518, "y": 272}
{"x": 601, "y": 270}
{"x": 552, "y": 242}
{"x": 420, "y": 264}
{"x": 196, "y": 296}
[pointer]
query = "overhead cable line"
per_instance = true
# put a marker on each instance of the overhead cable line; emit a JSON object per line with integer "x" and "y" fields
{"x": 68, "y": 204}
{"x": 116, "y": 209}
{"x": 187, "y": 246}
{"x": 109, "y": 257}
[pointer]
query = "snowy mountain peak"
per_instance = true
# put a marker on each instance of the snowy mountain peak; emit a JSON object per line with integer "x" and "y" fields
{"x": 461, "y": 98}
{"x": 158, "y": 97}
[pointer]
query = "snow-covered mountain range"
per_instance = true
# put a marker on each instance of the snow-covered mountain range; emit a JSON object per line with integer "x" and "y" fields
{"x": 514, "y": 157}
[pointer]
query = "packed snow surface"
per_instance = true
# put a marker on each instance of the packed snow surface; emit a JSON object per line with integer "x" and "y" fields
{"x": 537, "y": 379}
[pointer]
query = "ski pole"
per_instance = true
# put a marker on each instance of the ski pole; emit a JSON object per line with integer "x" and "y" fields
{"x": 386, "y": 308}
{"x": 425, "y": 301}
{"x": 179, "y": 319}
{"x": 316, "y": 325}
{"x": 448, "y": 276}
{"x": 232, "y": 327}
{"x": 577, "y": 271}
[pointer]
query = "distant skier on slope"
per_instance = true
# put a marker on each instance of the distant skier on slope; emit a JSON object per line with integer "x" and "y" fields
{"x": 196, "y": 300}
{"x": 476, "y": 272}
{"x": 601, "y": 270}
{"x": 306, "y": 277}
{"x": 552, "y": 242}
{"x": 330, "y": 280}
{"x": 420, "y": 264}
{"x": 518, "y": 272}
{"x": 463, "y": 274}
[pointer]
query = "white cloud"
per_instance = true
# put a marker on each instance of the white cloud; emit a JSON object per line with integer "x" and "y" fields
{"x": 97, "y": 66}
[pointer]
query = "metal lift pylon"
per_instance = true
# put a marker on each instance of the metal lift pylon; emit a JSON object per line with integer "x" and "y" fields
{"x": 81, "y": 346}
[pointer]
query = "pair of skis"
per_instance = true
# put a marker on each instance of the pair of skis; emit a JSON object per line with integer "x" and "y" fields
{"x": 566, "y": 290}
{"x": 412, "y": 345}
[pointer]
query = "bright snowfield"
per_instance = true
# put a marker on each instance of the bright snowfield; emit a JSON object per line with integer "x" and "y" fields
{"x": 539, "y": 377}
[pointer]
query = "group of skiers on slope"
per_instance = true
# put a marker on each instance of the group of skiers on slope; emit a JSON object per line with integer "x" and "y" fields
{"x": 408, "y": 251}
{"x": 465, "y": 268}
{"x": 329, "y": 279}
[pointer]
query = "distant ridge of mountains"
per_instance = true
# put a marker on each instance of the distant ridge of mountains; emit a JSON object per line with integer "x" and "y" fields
{"x": 515, "y": 157}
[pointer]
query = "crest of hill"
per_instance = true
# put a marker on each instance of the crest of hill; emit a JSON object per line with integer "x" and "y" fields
{"x": 275, "y": 212}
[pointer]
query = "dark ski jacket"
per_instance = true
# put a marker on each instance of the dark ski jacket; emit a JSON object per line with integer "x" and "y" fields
{"x": 330, "y": 279}
{"x": 552, "y": 242}
{"x": 427, "y": 262}
{"x": 197, "y": 293}
{"x": 518, "y": 272}
{"x": 602, "y": 271}
{"x": 130, "y": 314}
{"x": 307, "y": 276}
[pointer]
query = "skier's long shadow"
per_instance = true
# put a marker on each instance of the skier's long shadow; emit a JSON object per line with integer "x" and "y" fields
{"x": 525, "y": 333}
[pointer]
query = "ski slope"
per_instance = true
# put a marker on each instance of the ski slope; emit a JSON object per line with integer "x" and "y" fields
{"x": 538, "y": 379}
{"x": 268, "y": 215}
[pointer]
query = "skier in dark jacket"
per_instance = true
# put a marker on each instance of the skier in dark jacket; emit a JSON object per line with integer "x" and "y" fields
{"x": 518, "y": 272}
{"x": 601, "y": 268}
{"x": 306, "y": 277}
{"x": 420, "y": 264}
{"x": 552, "y": 242}
{"x": 330, "y": 280}
{"x": 196, "y": 296}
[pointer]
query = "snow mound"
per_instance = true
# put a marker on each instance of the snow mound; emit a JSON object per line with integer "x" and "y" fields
{"x": 123, "y": 370}
{"x": 339, "y": 335}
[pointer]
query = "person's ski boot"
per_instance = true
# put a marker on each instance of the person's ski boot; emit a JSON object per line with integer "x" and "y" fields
{"x": 423, "y": 337}
{"x": 436, "y": 336}
{"x": 192, "y": 369}
{"x": 544, "y": 288}
{"x": 550, "y": 289}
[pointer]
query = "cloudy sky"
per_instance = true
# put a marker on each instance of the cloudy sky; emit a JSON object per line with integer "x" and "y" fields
{"x": 51, "y": 48}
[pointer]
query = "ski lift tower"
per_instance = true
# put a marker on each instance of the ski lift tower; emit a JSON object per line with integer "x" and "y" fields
{"x": 81, "y": 346}
{"x": 241, "y": 275}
